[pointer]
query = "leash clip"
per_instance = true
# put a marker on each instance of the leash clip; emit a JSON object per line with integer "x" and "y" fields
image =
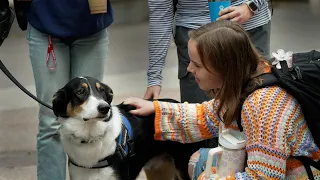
{"x": 50, "y": 52}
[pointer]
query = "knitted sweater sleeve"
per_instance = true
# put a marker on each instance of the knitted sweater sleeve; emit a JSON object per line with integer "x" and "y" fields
{"x": 186, "y": 122}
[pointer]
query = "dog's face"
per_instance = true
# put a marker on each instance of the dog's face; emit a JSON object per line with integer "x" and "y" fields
{"x": 83, "y": 98}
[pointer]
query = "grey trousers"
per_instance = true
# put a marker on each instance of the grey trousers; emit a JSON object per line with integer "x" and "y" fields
{"x": 189, "y": 89}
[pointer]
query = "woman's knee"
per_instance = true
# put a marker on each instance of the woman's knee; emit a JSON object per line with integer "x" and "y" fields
{"x": 192, "y": 164}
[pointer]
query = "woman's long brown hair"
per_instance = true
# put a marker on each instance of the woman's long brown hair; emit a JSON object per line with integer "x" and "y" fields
{"x": 225, "y": 47}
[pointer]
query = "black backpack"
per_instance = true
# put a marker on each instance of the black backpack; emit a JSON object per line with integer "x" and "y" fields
{"x": 303, "y": 82}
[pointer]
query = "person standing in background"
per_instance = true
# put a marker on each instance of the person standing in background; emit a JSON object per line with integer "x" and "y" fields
{"x": 66, "y": 39}
{"x": 253, "y": 15}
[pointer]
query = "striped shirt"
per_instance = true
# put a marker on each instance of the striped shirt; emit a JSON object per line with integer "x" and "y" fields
{"x": 190, "y": 14}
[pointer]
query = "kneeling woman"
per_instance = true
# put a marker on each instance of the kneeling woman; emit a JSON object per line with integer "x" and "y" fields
{"x": 224, "y": 61}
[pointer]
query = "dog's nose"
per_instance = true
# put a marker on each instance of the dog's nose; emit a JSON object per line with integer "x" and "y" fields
{"x": 103, "y": 108}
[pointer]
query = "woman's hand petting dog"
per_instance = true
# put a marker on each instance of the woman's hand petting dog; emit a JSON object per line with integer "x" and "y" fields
{"x": 143, "y": 107}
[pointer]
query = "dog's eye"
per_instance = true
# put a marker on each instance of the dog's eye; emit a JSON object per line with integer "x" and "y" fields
{"x": 80, "y": 91}
{"x": 101, "y": 90}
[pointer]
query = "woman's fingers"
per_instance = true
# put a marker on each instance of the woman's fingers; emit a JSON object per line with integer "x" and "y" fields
{"x": 143, "y": 107}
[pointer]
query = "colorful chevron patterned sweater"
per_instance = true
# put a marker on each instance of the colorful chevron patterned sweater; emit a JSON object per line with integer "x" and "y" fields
{"x": 272, "y": 121}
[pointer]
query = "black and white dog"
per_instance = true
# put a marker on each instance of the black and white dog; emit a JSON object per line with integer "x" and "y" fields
{"x": 105, "y": 142}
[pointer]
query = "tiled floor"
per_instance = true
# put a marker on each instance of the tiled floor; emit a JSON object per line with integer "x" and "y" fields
{"x": 294, "y": 27}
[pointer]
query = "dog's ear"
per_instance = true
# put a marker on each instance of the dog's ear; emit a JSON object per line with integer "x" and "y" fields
{"x": 60, "y": 103}
{"x": 110, "y": 96}
{"x": 108, "y": 93}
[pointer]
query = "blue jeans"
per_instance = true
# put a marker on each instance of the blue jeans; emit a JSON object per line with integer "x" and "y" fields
{"x": 202, "y": 161}
{"x": 84, "y": 57}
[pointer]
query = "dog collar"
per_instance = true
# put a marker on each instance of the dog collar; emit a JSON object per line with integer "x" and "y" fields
{"x": 124, "y": 149}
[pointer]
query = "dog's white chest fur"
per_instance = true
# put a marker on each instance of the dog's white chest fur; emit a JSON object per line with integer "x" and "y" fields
{"x": 101, "y": 143}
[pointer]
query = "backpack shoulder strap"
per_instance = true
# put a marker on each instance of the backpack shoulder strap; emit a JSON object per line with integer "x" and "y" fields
{"x": 307, "y": 162}
{"x": 268, "y": 79}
